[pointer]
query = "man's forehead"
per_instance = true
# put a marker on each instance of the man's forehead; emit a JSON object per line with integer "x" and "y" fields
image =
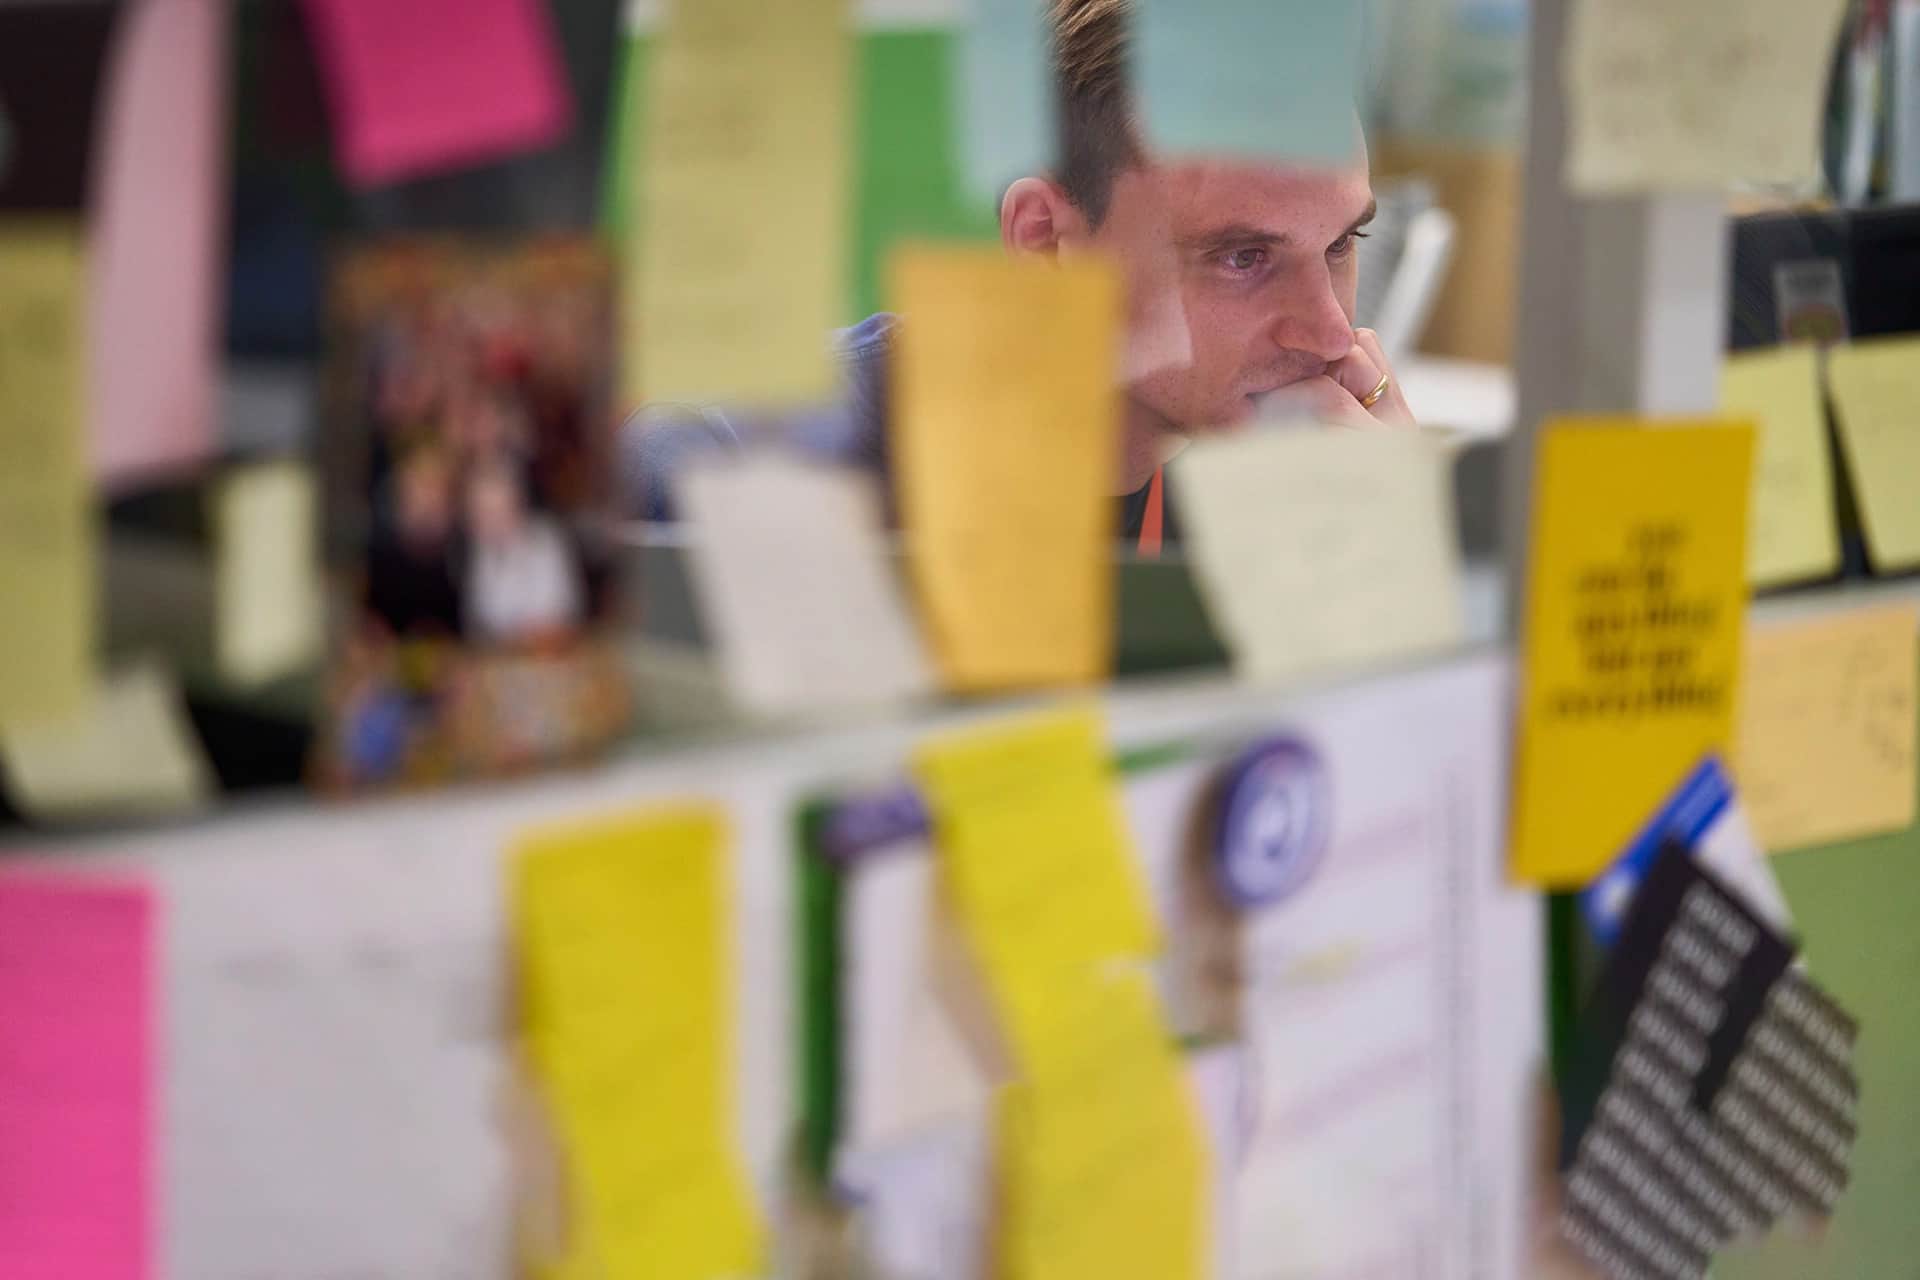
{"x": 1200, "y": 194}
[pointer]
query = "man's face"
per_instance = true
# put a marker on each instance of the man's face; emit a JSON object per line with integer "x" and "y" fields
{"x": 1255, "y": 263}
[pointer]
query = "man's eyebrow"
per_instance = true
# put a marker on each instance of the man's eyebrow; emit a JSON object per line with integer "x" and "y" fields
{"x": 1239, "y": 235}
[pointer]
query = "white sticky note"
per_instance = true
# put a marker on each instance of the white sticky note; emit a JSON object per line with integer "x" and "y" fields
{"x": 1318, "y": 549}
{"x": 268, "y": 602}
{"x": 1696, "y": 96}
{"x": 130, "y": 752}
{"x": 792, "y": 578}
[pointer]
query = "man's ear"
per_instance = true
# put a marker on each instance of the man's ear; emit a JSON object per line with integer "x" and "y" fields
{"x": 1036, "y": 217}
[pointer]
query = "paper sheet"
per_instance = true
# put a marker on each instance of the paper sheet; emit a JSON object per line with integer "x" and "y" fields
{"x": 433, "y": 85}
{"x": 790, "y": 566}
{"x": 1697, "y": 96}
{"x": 47, "y": 536}
{"x": 1006, "y": 112}
{"x": 743, "y": 229}
{"x": 1876, "y": 388}
{"x": 1320, "y": 549}
{"x": 269, "y": 603}
{"x": 1827, "y": 713}
{"x": 627, "y": 989}
{"x": 1794, "y": 534}
{"x": 130, "y": 751}
{"x": 1005, "y": 439}
{"x": 158, "y": 215}
{"x": 76, "y": 1080}
{"x": 1262, "y": 78}
{"x": 1636, "y": 589}
{"x": 1102, "y": 1159}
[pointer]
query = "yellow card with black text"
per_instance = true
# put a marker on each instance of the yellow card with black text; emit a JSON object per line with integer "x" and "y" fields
{"x": 1636, "y": 592}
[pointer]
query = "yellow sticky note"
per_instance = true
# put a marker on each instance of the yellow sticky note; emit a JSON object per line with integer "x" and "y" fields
{"x": 741, "y": 269}
{"x": 627, "y": 995}
{"x": 128, "y": 751}
{"x": 1005, "y": 439}
{"x": 268, "y": 601}
{"x": 1697, "y": 95}
{"x": 1102, "y": 1163}
{"x": 47, "y": 536}
{"x": 1636, "y": 585}
{"x": 1794, "y": 534}
{"x": 1827, "y": 727}
{"x": 1876, "y": 401}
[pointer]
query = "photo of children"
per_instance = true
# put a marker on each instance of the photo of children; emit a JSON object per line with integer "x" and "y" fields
{"x": 468, "y": 436}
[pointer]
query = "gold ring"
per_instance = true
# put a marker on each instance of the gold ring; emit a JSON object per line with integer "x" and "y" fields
{"x": 1374, "y": 396}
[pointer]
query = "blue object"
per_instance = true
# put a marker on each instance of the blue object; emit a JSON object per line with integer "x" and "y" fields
{"x": 1275, "y": 822}
{"x": 1685, "y": 818}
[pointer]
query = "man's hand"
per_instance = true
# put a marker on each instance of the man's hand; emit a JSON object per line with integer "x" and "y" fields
{"x": 1359, "y": 375}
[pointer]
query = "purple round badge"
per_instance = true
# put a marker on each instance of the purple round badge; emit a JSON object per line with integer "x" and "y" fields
{"x": 1274, "y": 822}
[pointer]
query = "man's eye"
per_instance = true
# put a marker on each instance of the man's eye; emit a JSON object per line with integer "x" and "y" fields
{"x": 1345, "y": 244}
{"x": 1246, "y": 259}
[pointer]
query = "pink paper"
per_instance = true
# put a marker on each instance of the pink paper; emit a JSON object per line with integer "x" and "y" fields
{"x": 418, "y": 86}
{"x": 76, "y": 1027}
{"x": 154, "y": 261}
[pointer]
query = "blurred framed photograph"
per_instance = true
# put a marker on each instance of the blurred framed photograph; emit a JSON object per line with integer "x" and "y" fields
{"x": 468, "y": 443}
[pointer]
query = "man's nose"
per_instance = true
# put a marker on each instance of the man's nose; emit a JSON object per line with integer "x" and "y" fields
{"x": 1311, "y": 318}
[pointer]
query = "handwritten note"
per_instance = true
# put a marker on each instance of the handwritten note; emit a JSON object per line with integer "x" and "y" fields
{"x": 1827, "y": 716}
{"x": 158, "y": 213}
{"x": 269, "y": 617}
{"x": 1697, "y": 96}
{"x": 1318, "y": 549}
{"x": 744, "y": 238}
{"x": 1262, "y": 78}
{"x": 47, "y": 565}
{"x": 1876, "y": 400}
{"x": 1794, "y": 533}
{"x": 1102, "y": 1165}
{"x": 433, "y": 85}
{"x": 1004, "y": 72}
{"x": 76, "y": 1089}
{"x": 629, "y": 990}
{"x": 1005, "y": 440}
{"x": 1636, "y": 586}
{"x": 129, "y": 751}
{"x": 790, "y": 567}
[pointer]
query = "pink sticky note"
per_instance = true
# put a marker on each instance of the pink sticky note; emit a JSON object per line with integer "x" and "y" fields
{"x": 76, "y": 1036}
{"x": 159, "y": 192}
{"x": 418, "y": 86}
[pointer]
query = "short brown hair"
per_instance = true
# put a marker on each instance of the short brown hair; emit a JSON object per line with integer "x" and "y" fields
{"x": 1092, "y": 43}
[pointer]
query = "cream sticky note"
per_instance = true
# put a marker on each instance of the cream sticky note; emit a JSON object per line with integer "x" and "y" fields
{"x": 1319, "y": 549}
{"x": 77, "y": 1091}
{"x": 1697, "y": 96}
{"x": 48, "y": 568}
{"x": 158, "y": 217}
{"x": 129, "y": 751}
{"x": 269, "y": 615}
{"x": 628, "y": 995}
{"x": 1827, "y": 726}
{"x": 1876, "y": 402}
{"x": 1636, "y": 586}
{"x": 432, "y": 85}
{"x": 789, "y": 562}
{"x": 1794, "y": 533}
{"x": 1005, "y": 450}
{"x": 741, "y": 268}
{"x": 1102, "y": 1163}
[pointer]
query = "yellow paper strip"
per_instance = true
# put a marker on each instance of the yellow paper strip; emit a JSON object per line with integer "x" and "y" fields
{"x": 1103, "y": 1168}
{"x": 1795, "y": 535}
{"x": 1005, "y": 436}
{"x": 269, "y": 613}
{"x": 744, "y": 238}
{"x": 628, "y": 994}
{"x": 1636, "y": 588}
{"x": 1827, "y": 726}
{"x": 1876, "y": 400}
{"x": 47, "y": 535}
